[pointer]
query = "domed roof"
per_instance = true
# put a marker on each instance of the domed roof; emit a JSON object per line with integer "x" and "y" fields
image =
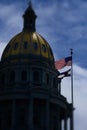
{"x": 28, "y": 43}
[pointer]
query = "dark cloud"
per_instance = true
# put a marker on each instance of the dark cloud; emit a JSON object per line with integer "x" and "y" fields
{"x": 62, "y": 22}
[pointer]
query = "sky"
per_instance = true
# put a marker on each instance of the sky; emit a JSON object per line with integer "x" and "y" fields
{"x": 63, "y": 23}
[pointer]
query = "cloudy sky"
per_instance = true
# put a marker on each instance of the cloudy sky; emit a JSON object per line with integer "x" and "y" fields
{"x": 63, "y": 23}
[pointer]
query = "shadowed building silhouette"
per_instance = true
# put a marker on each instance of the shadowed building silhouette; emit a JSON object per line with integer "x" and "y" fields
{"x": 30, "y": 97}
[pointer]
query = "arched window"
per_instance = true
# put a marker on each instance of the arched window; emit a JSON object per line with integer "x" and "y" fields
{"x": 35, "y": 46}
{"x": 24, "y": 75}
{"x": 12, "y": 76}
{"x": 47, "y": 79}
{"x": 16, "y": 46}
{"x": 25, "y": 45}
{"x": 43, "y": 48}
{"x": 36, "y": 76}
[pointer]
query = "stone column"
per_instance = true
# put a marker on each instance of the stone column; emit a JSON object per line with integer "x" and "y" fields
{"x": 60, "y": 128}
{"x": 65, "y": 121}
{"x": 47, "y": 115}
{"x": 30, "y": 119}
{"x": 13, "y": 115}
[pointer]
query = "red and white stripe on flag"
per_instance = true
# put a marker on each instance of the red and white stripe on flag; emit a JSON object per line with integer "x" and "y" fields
{"x": 63, "y": 62}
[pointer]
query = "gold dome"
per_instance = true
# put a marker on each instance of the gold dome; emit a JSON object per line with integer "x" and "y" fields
{"x": 26, "y": 43}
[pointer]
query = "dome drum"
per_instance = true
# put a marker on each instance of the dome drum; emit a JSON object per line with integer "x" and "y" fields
{"x": 28, "y": 76}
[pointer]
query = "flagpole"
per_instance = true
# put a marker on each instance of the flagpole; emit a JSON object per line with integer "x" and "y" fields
{"x": 72, "y": 78}
{"x": 72, "y": 116}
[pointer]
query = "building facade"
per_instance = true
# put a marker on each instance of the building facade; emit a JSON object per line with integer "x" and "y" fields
{"x": 30, "y": 97}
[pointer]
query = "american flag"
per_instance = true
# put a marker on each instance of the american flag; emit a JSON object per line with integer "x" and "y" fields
{"x": 63, "y": 62}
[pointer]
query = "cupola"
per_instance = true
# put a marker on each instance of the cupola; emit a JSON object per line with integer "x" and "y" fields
{"x": 29, "y": 19}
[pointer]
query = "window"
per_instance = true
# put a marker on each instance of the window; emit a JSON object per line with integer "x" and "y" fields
{"x": 43, "y": 48}
{"x": 47, "y": 79}
{"x": 12, "y": 76}
{"x": 36, "y": 76}
{"x": 24, "y": 75}
{"x": 25, "y": 45}
{"x": 35, "y": 45}
{"x": 16, "y": 46}
{"x": 31, "y": 22}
